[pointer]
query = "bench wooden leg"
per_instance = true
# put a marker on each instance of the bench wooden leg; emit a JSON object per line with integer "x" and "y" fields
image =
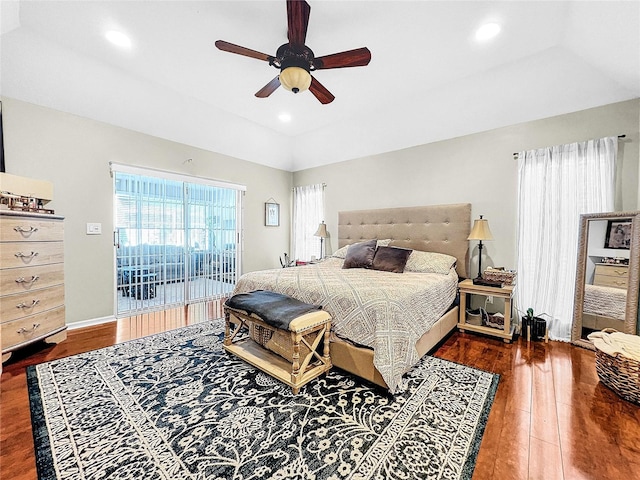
{"x": 227, "y": 329}
{"x": 295, "y": 367}
{"x": 325, "y": 353}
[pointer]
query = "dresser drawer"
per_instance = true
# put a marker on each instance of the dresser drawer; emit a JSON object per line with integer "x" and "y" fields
{"x": 21, "y": 305}
{"x": 25, "y": 279}
{"x": 15, "y": 254}
{"x": 609, "y": 281}
{"x": 613, "y": 270}
{"x": 31, "y": 328}
{"x": 28, "y": 229}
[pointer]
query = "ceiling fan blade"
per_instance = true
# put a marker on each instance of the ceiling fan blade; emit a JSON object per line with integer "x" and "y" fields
{"x": 298, "y": 20}
{"x": 269, "y": 88}
{"x": 247, "y": 52}
{"x": 320, "y": 92}
{"x": 351, "y": 58}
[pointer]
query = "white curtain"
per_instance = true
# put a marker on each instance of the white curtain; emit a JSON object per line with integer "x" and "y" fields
{"x": 308, "y": 212}
{"x": 555, "y": 186}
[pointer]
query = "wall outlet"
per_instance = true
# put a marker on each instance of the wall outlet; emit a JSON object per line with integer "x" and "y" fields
{"x": 94, "y": 229}
{"x": 490, "y": 298}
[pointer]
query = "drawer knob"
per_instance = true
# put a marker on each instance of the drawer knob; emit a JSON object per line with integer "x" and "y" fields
{"x": 22, "y": 255}
{"x": 22, "y": 280}
{"x": 25, "y": 230}
{"x": 29, "y": 330}
{"x": 25, "y": 305}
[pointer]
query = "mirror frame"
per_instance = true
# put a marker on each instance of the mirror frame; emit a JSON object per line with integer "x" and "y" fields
{"x": 631, "y": 311}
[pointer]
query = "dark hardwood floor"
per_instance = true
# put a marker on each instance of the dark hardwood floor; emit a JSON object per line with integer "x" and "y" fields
{"x": 551, "y": 418}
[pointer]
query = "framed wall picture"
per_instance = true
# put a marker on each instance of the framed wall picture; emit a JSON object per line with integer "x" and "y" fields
{"x": 272, "y": 214}
{"x": 618, "y": 234}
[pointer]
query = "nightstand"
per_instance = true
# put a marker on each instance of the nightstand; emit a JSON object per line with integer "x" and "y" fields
{"x": 466, "y": 287}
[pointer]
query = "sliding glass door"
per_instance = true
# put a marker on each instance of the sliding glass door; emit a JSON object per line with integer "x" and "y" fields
{"x": 212, "y": 241}
{"x": 177, "y": 241}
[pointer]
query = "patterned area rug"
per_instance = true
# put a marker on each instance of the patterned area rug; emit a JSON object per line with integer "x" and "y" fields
{"x": 175, "y": 406}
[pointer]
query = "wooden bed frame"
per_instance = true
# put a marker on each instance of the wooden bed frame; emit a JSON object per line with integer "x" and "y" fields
{"x": 437, "y": 228}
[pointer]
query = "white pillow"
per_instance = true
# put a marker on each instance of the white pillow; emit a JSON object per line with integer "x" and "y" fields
{"x": 429, "y": 262}
{"x": 342, "y": 252}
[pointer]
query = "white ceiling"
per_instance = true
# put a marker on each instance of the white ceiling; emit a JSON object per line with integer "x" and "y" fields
{"x": 428, "y": 79}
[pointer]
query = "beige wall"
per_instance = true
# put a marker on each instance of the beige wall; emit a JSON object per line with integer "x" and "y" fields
{"x": 74, "y": 153}
{"x": 479, "y": 169}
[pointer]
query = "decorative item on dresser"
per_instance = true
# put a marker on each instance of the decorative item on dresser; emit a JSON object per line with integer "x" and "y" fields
{"x": 31, "y": 280}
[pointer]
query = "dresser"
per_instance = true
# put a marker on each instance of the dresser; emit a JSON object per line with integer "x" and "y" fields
{"x": 31, "y": 280}
{"x": 611, "y": 275}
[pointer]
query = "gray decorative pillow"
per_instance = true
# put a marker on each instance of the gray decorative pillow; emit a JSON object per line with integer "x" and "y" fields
{"x": 342, "y": 252}
{"x": 429, "y": 262}
{"x": 391, "y": 259}
{"x": 360, "y": 255}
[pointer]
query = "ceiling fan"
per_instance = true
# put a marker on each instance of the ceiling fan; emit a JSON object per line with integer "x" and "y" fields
{"x": 296, "y": 61}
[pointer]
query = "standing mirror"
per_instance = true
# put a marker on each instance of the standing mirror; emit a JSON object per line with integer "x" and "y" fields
{"x": 607, "y": 275}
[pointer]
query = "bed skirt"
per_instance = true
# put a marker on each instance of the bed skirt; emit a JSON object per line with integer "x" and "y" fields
{"x": 359, "y": 360}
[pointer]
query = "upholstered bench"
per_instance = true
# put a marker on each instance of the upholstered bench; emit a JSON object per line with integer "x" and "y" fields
{"x": 284, "y": 334}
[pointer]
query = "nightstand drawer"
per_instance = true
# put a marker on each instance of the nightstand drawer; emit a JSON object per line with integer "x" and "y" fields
{"x": 31, "y": 328}
{"x": 25, "y": 279}
{"x": 26, "y": 229}
{"x": 29, "y": 254}
{"x": 613, "y": 270}
{"x": 21, "y": 305}
{"x": 609, "y": 281}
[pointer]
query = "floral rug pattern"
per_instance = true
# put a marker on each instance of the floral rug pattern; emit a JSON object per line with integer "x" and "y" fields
{"x": 176, "y": 406}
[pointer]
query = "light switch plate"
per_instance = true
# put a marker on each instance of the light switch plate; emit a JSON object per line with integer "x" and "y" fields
{"x": 94, "y": 229}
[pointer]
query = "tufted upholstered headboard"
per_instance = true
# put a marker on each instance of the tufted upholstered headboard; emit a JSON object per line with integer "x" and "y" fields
{"x": 434, "y": 228}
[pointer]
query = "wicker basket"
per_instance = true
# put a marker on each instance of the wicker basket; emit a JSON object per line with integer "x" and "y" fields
{"x": 500, "y": 275}
{"x": 495, "y": 321}
{"x": 474, "y": 317}
{"x": 621, "y": 374}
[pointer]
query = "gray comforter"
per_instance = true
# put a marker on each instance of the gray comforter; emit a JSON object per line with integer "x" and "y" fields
{"x": 386, "y": 311}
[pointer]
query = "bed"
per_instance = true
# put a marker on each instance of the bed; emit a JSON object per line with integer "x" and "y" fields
{"x": 604, "y": 307}
{"x": 382, "y": 322}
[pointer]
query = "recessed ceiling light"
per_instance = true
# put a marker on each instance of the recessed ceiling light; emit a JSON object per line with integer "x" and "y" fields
{"x": 284, "y": 117}
{"x": 487, "y": 31}
{"x": 118, "y": 38}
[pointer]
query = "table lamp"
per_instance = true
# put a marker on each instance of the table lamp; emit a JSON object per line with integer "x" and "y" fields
{"x": 480, "y": 231}
{"x": 322, "y": 233}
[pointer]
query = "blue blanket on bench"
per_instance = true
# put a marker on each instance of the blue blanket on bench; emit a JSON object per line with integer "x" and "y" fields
{"x": 276, "y": 309}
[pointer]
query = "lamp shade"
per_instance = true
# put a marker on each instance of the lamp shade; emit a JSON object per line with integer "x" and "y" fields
{"x": 480, "y": 230}
{"x": 295, "y": 79}
{"x": 322, "y": 231}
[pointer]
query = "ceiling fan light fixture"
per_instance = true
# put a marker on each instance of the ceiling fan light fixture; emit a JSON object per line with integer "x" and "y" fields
{"x": 295, "y": 79}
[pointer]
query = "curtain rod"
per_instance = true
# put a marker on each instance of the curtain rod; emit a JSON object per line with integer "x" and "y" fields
{"x": 324, "y": 185}
{"x": 515, "y": 154}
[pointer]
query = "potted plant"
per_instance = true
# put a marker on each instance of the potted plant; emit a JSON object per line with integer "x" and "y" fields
{"x": 533, "y": 327}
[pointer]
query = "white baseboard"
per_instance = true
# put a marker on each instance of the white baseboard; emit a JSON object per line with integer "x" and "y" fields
{"x": 91, "y": 322}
